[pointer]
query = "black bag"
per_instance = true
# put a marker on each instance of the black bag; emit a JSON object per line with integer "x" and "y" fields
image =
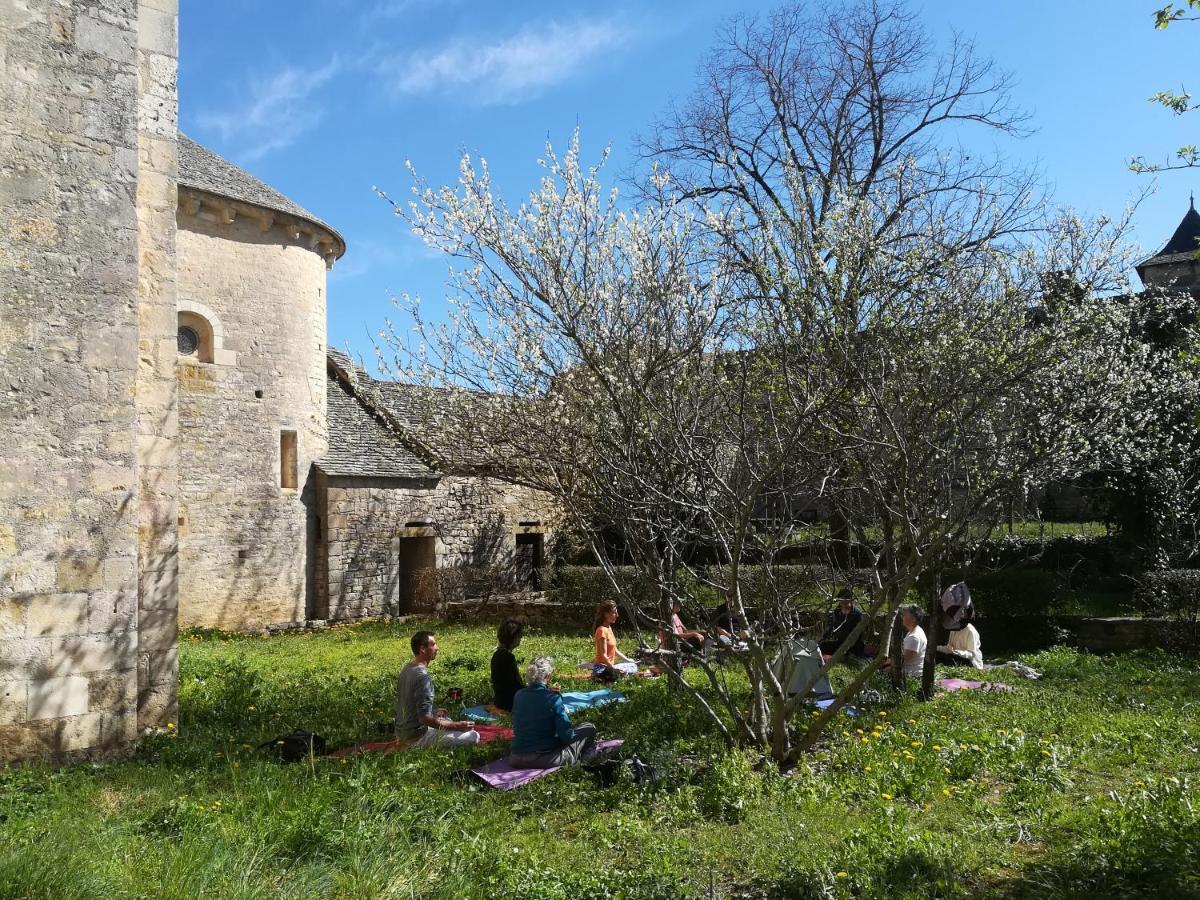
{"x": 604, "y": 770}
{"x": 295, "y": 747}
{"x": 644, "y": 773}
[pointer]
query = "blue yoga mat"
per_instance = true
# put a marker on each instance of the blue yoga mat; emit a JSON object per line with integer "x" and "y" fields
{"x": 479, "y": 714}
{"x": 572, "y": 700}
{"x": 577, "y": 700}
{"x": 849, "y": 710}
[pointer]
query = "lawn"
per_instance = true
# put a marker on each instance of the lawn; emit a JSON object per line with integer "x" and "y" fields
{"x": 1082, "y": 784}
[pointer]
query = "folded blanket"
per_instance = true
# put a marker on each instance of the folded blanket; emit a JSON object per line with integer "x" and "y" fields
{"x": 487, "y": 734}
{"x": 500, "y": 775}
{"x": 577, "y": 700}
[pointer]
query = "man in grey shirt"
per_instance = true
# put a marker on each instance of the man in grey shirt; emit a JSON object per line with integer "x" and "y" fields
{"x": 416, "y": 718}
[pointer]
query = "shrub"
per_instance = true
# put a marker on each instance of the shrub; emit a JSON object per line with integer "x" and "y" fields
{"x": 1173, "y": 594}
{"x": 588, "y": 585}
{"x": 1014, "y": 592}
{"x": 436, "y": 586}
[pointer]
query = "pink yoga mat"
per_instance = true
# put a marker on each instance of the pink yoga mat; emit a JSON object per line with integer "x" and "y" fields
{"x": 503, "y": 777}
{"x": 960, "y": 684}
{"x": 487, "y": 734}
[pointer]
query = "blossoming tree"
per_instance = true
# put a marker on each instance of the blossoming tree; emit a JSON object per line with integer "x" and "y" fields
{"x": 812, "y": 302}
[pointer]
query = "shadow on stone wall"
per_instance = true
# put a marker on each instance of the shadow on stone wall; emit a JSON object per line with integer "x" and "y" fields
{"x": 89, "y": 632}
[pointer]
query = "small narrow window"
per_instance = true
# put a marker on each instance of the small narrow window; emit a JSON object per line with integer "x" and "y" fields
{"x": 287, "y": 460}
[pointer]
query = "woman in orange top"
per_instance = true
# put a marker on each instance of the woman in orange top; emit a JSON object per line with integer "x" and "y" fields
{"x": 605, "y": 661}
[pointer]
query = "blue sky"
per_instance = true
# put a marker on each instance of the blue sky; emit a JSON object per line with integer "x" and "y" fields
{"x": 325, "y": 99}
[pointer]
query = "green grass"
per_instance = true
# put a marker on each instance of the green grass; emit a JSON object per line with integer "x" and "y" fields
{"x": 1079, "y": 785}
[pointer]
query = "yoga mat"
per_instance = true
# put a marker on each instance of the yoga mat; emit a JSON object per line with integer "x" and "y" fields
{"x": 479, "y": 714}
{"x": 577, "y": 700}
{"x": 503, "y": 777}
{"x": 487, "y": 734}
{"x": 960, "y": 684}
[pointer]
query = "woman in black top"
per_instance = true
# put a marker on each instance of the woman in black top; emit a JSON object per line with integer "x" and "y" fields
{"x": 506, "y": 679}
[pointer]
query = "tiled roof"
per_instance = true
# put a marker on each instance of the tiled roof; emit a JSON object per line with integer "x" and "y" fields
{"x": 405, "y": 427}
{"x": 204, "y": 170}
{"x": 361, "y": 443}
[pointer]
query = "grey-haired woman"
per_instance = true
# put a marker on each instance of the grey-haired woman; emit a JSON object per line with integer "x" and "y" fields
{"x": 543, "y": 736}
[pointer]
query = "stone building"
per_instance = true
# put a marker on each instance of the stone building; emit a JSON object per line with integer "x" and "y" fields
{"x": 251, "y": 341}
{"x": 393, "y": 502}
{"x": 88, "y": 476}
{"x": 181, "y": 448}
{"x": 1176, "y": 265}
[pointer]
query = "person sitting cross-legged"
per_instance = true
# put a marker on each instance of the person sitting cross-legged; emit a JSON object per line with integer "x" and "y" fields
{"x": 543, "y": 736}
{"x": 416, "y": 719}
{"x": 605, "y": 667}
{"x": 845, "y": 619}
{"x": 506, "y": 680}
{"x": 689, "y": 638}
{"x": 961, "y": 648}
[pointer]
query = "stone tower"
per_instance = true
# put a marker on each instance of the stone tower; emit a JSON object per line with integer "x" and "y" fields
{"x": 88, "y": 484}
{"x": 252, "y": 372}
{"x": 1176, "y": 265}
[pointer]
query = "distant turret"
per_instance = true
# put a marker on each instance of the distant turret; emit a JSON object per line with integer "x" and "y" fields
{"x": 1176, "y": 264}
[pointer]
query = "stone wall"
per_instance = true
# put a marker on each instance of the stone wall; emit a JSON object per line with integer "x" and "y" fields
{"x": 244, "y": 539}
{"x": 472, "y": 521}
{"x": 72, "y": 493}
{"x": 157, "y": 427}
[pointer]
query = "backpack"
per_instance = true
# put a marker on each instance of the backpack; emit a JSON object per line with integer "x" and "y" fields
{"x": 294, "y": 747}
{"x": 957, "y": 609}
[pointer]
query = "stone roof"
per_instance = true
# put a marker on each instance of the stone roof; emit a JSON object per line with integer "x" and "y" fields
{"x": 361, "y": 442}
{"x": 204, "y": 170}
{"x": 393, "y": 430}
{"x": 1183, "y": 245}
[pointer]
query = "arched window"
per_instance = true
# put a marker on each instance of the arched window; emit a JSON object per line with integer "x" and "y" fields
{"x": 195, "y": 337}
{"x": 200, "y": 336}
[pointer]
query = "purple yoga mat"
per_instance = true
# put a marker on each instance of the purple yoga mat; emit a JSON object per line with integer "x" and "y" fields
{"x": 503, "y": 777}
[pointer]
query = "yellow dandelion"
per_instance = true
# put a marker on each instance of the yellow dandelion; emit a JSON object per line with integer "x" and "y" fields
{"x": 843, "y": 874}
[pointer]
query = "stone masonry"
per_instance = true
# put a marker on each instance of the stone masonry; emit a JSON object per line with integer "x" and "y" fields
{"x": 244, "y": 539}
{"x": 468, "y": 520}
{"x": 87, "y": 106}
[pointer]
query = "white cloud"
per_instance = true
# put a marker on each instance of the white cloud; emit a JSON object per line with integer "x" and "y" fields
{"x": 389, "y": 9}
{"x": 510, "y": 69}
{"x": 277, "y": 110}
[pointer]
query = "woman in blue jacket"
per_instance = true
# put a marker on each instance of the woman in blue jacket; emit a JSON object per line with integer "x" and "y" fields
{"x": 543, "y": 736}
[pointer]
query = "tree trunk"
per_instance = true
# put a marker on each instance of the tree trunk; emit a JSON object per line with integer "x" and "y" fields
{"x": 781, "y": 748}
{"x": 896, "y": 650}
{"x": 933, "y": 638}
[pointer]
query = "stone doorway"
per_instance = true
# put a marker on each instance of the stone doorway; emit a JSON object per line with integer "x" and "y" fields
{"x": 413, "y": 555}
{"x": 530, "y": 557}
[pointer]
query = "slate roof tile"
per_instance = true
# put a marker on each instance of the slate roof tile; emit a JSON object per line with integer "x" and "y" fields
{"x": 204, "y": 170}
